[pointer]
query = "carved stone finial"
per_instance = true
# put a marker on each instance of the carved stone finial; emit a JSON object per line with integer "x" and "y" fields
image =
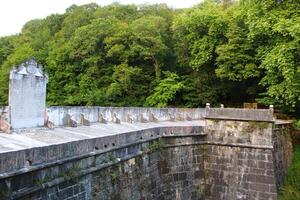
{"x": 84, "y": 121}
{"x": 222, "y": 105}
{"x": 102, "y": 119}
{"x": 129, "y": 119}
{"x": 207, "y": 105}
{"x": 115, "y": 119}
{"x": 188, "y": 117}
{"x": 70, "y": 121}
{"x": 171, "y": 117}
{"x": 143, "y": 119}
{"x": 29, "y": 67}
{"x": 179, "y": 117}
{"x": 4, "y": 125}
{"x": 49, "y": 124}
{"x": 152, "y": 118}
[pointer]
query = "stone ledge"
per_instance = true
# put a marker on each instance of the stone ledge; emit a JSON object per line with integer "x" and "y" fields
{"x": 13, "y": 162}
{"x": 265, "y": 115}
{"x": 95, "y": 153}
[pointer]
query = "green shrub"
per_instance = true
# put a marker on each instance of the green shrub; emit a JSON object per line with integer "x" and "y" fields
{"x": 291, "y": 188}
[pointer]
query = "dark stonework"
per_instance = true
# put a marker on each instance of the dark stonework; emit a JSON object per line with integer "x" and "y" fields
{"x": 282, "y": 153}
{"x": 239, "y": 173}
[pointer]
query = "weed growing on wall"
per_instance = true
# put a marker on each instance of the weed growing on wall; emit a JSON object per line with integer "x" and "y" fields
{"x": 43, "y": 180}
{"x": 71, "y": 172}
{"x": 113, "y": 176}
{"x": 153, "y": 146}
{"x": 111, "y": 157}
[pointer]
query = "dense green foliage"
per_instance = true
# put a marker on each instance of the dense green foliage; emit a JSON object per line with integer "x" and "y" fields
{"x": 125, "y": 55}
{"x": 291, "y": 188}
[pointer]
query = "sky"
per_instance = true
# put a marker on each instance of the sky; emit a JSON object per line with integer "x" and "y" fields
{"x": 15, "y": 13}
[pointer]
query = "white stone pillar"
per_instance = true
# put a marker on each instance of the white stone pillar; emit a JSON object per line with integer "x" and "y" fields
{"x": 27, "y": 95}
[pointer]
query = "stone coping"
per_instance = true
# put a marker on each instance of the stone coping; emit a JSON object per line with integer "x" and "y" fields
{"x": 283, "y": 122}
{"x": 240, "y": 114}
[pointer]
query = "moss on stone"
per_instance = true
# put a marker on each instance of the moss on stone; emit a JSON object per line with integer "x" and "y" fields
{"x": 258, "y": 125}
{"x": 154, "y": 146}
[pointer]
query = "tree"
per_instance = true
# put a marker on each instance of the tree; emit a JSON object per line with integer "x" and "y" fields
{"x": 274, "y": 28}
{"x": 220, "y": 51}
{"x": 127, "y": 86}
{"x": 236, "y": 57}
{"x": 6, "y": 47}
{"x": 19, "y": 55}
{"x": 198, "y": 32}
{"x": 165, "y": 91}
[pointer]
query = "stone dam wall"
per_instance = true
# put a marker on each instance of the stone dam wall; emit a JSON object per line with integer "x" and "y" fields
{"x": 240, "y": 156}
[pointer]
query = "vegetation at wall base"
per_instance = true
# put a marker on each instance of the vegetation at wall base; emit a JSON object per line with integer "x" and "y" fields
{"x": 295, "y": 132}
{"x": 291, "y": 188}
{"x": 220, "y": 51}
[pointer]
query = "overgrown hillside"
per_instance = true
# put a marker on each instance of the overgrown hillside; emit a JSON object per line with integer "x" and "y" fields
{"x": 117, "y": 55}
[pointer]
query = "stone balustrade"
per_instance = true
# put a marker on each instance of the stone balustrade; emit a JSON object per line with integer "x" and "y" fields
{"x": 59, "y": 115}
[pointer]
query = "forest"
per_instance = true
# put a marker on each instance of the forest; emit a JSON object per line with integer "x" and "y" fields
{"x": 226, "y": 52}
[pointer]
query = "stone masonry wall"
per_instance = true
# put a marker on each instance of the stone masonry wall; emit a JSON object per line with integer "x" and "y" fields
{"x": 241, "y": 166}
{"x": 282, "y": 153}
{"x": 227, "y": 159}
{"x": 165, "y": 171}
{"x": 154, "y": 175}
{"x": 239, "y": 174}
{"x": 167, "y": 166}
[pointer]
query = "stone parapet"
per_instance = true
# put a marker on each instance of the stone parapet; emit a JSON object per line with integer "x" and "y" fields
{"x": 240, "y": 114}
{"x": 58, "y": 115}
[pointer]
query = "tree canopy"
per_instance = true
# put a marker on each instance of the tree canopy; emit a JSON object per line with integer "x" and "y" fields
{"x": 150, "y": 55}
